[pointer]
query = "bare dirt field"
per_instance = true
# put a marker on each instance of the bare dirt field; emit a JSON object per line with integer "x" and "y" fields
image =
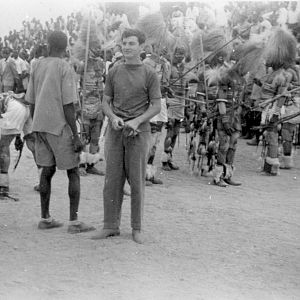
{"x": 202, "y": 241}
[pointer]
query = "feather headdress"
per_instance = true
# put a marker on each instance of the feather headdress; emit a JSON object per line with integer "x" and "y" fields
{"x": 210, "y": 41}
{"x": 213, "y": 40}
{"x": 216, "y": 75}
{"x": 248, "y": 58}
{"x": 280, "y": 50}
{"x": 158, "y": 34}
{"x": 156, "y": 31}
{"x": 94, "y": 41}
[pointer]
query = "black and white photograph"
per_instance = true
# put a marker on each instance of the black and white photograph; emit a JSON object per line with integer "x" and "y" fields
{"x": 149, "y": 150}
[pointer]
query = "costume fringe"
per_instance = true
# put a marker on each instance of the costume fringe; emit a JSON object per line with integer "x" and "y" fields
{"x": 249, "y": 57}
{"x": 216, "y": 75}
{"x": 197, "y": 48}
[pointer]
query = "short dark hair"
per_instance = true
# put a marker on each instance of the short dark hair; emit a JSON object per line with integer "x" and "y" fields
{"x": 40, "y": 50}
{"x": 58, "y": 41}
{"x": 6, "y": 51}
{"x": 134, "y": 32}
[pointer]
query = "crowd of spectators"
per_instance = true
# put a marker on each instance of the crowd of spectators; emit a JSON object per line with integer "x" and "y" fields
{"x": 34, "y": 33}
{"x": 28, "y": 44}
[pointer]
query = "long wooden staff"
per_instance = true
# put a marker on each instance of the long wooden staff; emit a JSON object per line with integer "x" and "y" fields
{"x": 211, "y": 54}
{"x": 201, "y": 157}
{"x": 280, "y": 121}
{"x": 85, "y": 71}
{"x": 265, "y": 103}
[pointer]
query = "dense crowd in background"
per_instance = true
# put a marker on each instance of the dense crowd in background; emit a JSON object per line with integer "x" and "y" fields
{"x": 235, "y": 15}
{"x": 21, "y": 48}
{"x": 238, "y": 21}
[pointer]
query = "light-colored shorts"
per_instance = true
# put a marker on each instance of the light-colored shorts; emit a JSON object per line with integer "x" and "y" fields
{"x": 52, "y": 150}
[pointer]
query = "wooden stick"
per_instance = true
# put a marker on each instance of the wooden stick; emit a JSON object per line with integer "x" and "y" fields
{"x": 189, "y": 99}
{"x": 203, "y": 66}
{"x": 265, "y": 103}
{"x": 209, "y": 55}
{"x": 85, "y": 63}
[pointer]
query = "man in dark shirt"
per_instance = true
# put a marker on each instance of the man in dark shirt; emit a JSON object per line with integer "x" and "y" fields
{"x": 131, "y": 98}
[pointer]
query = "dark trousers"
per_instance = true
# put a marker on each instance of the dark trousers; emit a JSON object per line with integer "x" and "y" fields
{"x": 126, "y": 158}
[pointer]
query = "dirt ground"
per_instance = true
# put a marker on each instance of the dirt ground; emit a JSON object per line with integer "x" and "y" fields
{"x": 202, "y": 241}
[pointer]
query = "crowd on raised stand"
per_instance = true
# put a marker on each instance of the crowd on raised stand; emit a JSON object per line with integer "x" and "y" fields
{"x": 237, "y": 15}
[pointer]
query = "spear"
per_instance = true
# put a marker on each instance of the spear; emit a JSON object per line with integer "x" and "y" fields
{"x": 265, "y": 103}
{"x": 209, "y": 55}
{"x": 280, "y": 121}
{"x": 190, "y": 99}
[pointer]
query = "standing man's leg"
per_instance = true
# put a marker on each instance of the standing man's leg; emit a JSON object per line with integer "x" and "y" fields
{"x": 155, "y": 140}
{"x": 287, "y": 134}
{"x": 67, "y": 159}
{"x": 167, "y": 145}
{"x": 5, "y": 142}
{"x": 75, "y": 226}
{"x": 45, "y": 158}
{"x": 114, "y": 183}
{"x": 218, "y": 171}
{"x": 95, "y": 129}
{"x": 52, "y": 151}
{"x": 172, "y": 127}
{"x": 271, "y": 165}
{"x": 45, "y": 190}
{"x": 74, "y": 192}
{"x": 86, "y": 139}
{"x": 256, "y": 120}
{"x": 230, "y": 156}
{"x": 30, "y": 143}
{"x": 176, "y": 130}
{"x": 135, "y": 165}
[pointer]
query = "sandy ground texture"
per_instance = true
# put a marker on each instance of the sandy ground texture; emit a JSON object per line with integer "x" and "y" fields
{"x": 202, "y": 242}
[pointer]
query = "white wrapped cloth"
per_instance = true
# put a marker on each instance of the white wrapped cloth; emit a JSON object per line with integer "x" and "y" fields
{"x": 16, "y": 114}
{"x": 163, "y": 115}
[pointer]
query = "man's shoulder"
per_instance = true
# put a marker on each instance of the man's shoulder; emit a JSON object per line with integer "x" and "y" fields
{"x": 149, "y": 69}
{"x": 116, "y": 67}
{"x": 52, "y": 62}
{"x": 149, "y": 62}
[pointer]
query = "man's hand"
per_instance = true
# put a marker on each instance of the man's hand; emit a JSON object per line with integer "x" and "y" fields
{"x": 131, "y": 127}
{"x": 117, "y": 123}
{"x": 133, "y": 124}
{"x": 18, "y": 143}
{"x": 77, "y": 144}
